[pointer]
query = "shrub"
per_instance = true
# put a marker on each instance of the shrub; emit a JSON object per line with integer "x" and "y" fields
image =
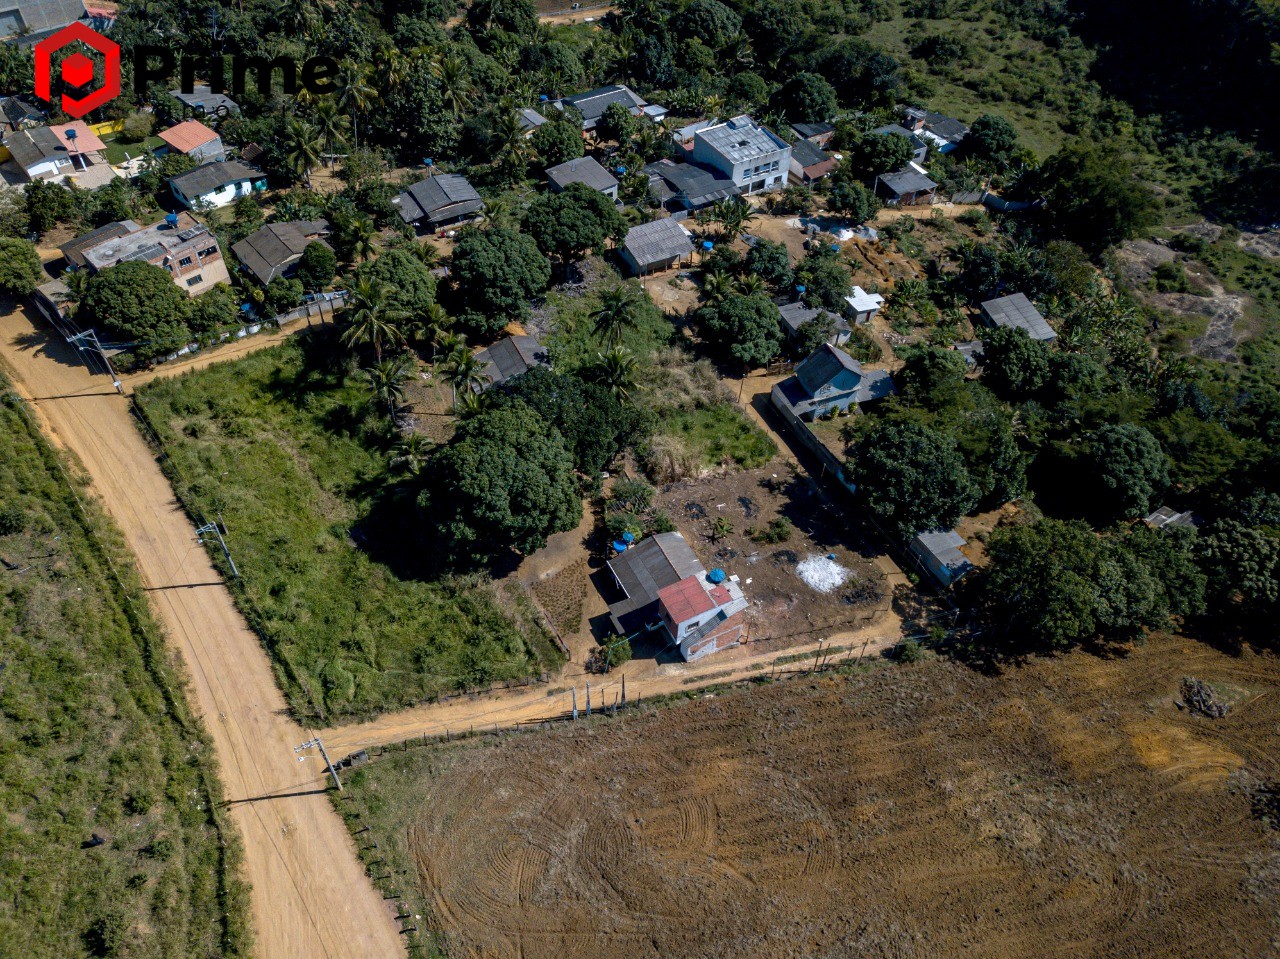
{"x": 778, "y": 531}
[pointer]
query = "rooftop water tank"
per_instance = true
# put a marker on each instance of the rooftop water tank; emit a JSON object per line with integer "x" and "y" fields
{"x": 716, "y": 577}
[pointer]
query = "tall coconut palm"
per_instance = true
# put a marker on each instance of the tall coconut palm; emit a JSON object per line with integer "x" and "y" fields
{"x": 427, "y": 253}
{"x": 717, "y": 286}
{"x": 358, "y": 234}
{"x": 455, "y": 82}
{"x": 617, "y": 313}
{"x": 617, "y": 371}
{"x": 434, "y": 323}
{"x": 386, "y": 379}
{"x": 372, "y": 320}
{"x": 411, "y": 455}
{"x": 752, "y": 283}
{"x": 714, "y": 105}
{"x": 464, "y": 373}
{"x": 333, "y": 126}
{"x": 512, "y": 153}
{"x": 356, "y": 95}
{"x": 734, "y": 216}
{"x": 304, "y": 148}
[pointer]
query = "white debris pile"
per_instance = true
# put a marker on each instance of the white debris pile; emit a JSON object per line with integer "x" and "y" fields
{"x": 822, "y": 573}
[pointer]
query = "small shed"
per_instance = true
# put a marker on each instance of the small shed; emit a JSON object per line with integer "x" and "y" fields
{"x": 907, "y": 187}
{"x": 796, "y": 316}
{"x": 941, "y": 551}
{"x": 584, "y": 170}
{"x": 1016, "y": 311}
{"x": 509, "y": 357}
{"x": 863, "y": 306}
{"x": 194, "y": 139}
{"x": 657, "y": 245}
{"x": 440, "y": 200}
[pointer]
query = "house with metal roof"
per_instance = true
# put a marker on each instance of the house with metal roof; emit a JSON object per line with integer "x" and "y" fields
{"x": 510, "y": 357}
{"x": 217, "y": 184}
{"x": 73, "y": 250}
{"x": 274, "y": 250}
{"x": 941, "y": 552}
{"x": 655, "y": 246}
{"x": 584, "y": 170}
{"x": 56, "y": 153}
{"x": 194, "y": 139}
{"x": 593, "y": 103}
{"x": 828, "y": 381}
{"x": 809, "y": 163}
{"x": 529, "y": 120}
{"x": 919, "y": 147}
{"x": 685, "y": 187}
{"x": 178, "y": 243}
{"x": 19, "y": 113}
{"x": 1166, "y": 517}
{"x": 861, "y": 306}
{"x": 753, "y": 157}
{"x": 28, "y": 21}
{"x": 819, "y": 134}
{"x": 908, "y": 187}
{"x": 439, "y": 201}
{"x": 944, "y": 133}
{"x": 666, "y": 589}
{"x": 1018, "y": 312}
{"x": 796, "y": 316}
{"x": 204, "y": 102}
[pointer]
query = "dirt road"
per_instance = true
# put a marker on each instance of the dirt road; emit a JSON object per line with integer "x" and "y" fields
{"x": 310, "y": 894}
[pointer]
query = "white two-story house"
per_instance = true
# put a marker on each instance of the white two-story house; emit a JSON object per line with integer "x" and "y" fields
{"x": 755, "y": 159}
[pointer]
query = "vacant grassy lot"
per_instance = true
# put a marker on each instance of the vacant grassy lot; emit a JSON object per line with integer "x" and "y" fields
{"x": 293, "y": 460}
{"x": 1065, "y": 809}
{"x": 693, "y": 412}
{"x": 111, "y": 843}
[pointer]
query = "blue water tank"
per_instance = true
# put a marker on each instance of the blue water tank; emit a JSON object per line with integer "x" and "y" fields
{"x": 628, "y": 537}
{"x": 716, "y": 577}
{"x": 171, "y": 219}
{"x": 707, "y": 244}
{"x": 619, "y": 547}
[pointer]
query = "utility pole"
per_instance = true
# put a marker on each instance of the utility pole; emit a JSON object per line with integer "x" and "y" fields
{"x": 95, "y": 349}
{"x": 213, "y": 528}
{"x": 317, "y": 744}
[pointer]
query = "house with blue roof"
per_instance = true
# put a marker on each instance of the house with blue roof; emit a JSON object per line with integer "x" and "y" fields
{"x": 829, "y": 380}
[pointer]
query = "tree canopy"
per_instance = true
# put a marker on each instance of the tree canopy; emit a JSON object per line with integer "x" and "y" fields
{"x": 20, "y": 270}
{"x": 571, "y": 223}
{"x": 139, "y": 303}
{"x": 748, "y": 328}
{"x": 504, "y": 481}
{"x": 1093, "y": 195}
{"x": 497, "y": 271}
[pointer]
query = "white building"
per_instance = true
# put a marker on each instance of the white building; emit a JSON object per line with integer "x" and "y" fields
{"x": 863, "y": 306}
{"x": 741, "y": 149}
{"x": 217, "y": 184}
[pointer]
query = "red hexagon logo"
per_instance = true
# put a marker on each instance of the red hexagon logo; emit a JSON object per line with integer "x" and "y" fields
{"x": 78, "y": 69}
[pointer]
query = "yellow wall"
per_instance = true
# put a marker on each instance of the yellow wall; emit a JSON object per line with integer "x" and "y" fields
{"x": 111, "y": 126}
{"x": 4, "y": 153}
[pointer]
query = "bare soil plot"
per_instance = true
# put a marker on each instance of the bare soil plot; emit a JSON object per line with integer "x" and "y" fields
{"x": 783, "y": 605}
{"x": 1065, "y": 809}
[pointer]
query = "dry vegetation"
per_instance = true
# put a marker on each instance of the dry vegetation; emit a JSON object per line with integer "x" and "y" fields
{"x": 1067, "y": 808}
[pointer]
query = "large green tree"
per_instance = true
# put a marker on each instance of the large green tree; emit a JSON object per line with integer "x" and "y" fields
{"x": 748, "y": 328}
{"x": 1014, "y": 364}
{"x": 1130, "y": 468}
{"x": 504, "y": 481}
{"x": 139, "y": 303}
{"x": 558, "y": 141}
{"x": 874, "y": 153}
{"x": 1093, "y": 195}
{"x": 912, "y": 477}
{"x": 496, "y": 273}
{"x": 805, "y": 98}
{"x": 571, "y": 223}
{"x": 19, "y": 266}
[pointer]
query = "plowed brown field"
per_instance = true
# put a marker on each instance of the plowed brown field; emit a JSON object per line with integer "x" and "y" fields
{"x": 1067, "y": 808}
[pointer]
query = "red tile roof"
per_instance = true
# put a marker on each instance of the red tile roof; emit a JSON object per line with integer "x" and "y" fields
{"x": 86, "y": 140}
{"x": 720, "y": 595}
{"x": 188, "y": 135}
{"x": 684, "y": 600}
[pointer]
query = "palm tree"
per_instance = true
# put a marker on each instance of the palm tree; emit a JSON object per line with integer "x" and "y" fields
{"x": 303, "y": 148}
{"x": 427, "y": 253}
{"x": 447, "y": 343}
{"x": 752, "y": 283}
{"x": 429, "y": 327}
{"x": 355, "y": 94}
{"x": 411, "y": 454}
{"x": 359, "y": 237}
{"x": 333, "y": 126}
{"x": 469, "y": 403}
{"x": 618, "y": 368}
{"x": 386, "y": 383}
{"x": 465, "y": 373}
{"x": 717, "y": 286}
{"x": 714, "y": 105}
{"x": 616, "y": 315}
{"x": 512, "y": 153}
{"x": 77, "y": 283}
{"x": 734, "y": 216}
{"x": 372, "y": 320}
{"x": 455, "y": 82}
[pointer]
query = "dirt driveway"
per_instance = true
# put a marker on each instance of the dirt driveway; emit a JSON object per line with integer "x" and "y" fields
{"x": 310, "y": 895}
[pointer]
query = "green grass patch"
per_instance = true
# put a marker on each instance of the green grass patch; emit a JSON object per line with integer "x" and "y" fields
{"x": 333, "y": 565}
{"x": 721, "y": 434}
{"x": 116, "y": 150}
{"x": 96, "y": 737}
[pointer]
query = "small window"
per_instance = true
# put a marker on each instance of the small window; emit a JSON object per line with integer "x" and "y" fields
{"x": 185, "y": 261}
{"x": 211, "y": 251}
{"x": 195, "y": 280}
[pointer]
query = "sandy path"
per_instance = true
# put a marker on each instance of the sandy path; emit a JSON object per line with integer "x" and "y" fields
{"x": 310, "y": 895}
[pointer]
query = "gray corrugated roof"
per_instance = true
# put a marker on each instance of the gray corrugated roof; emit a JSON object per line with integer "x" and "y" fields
{"x": 213, "y": 176}
{"x": 1017, "y": 311}
{"x": 653, "y": 564}
{"x": 529, "y": 118}
{"x": 808, "y": 155}
{"x": 511, "y": 356}
{"x": 740, "y": 139}
{"x": 945, "y": 546}
{"x": 271, "y": 250}
{"x": 907, "y": 181}
{"x": 74, "y": 250}
{"x": 796, "y": 315}
{"x": 808, "y": 130}
{"x": 37, "y": 145}
{"x": 585, "y": 170}
{"x": 696, "y": 186}
{"x": 823, "y": 365}
{"x": 657, "y": 241}
{"x": 915, "y": 141}
{"x": 445, "y": 196}
{"x": 37, "y": 16}
{"x": 203, "y": 98}
{"x": 593, "y": 103}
